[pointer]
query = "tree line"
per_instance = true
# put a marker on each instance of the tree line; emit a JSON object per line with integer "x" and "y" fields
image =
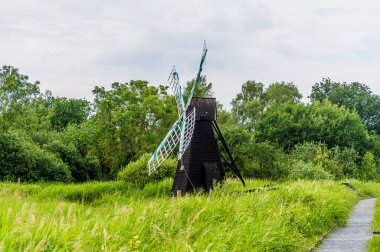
{"x": 271, "y": 132}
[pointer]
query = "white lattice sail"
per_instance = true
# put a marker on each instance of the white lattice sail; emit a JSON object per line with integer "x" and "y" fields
{"x": 188, "y": 131}
{"x": 171, "y": 140}
{"x": 182, "y": 130}
{"x": 177, "y": 89}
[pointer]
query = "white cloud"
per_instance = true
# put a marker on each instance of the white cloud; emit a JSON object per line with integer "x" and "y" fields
{"x": 70, "y": 46}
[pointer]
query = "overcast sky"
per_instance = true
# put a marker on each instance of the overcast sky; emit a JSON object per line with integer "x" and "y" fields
{"x": 71, "y": 46}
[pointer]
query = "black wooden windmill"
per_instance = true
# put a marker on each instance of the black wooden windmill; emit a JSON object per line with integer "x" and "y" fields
{"x": 197, "y": 134}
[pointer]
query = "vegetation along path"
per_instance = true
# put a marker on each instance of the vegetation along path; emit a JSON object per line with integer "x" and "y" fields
{"x": 358, "y": 231}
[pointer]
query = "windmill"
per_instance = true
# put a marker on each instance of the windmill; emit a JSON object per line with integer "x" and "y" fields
{"x": 196, "y": 133}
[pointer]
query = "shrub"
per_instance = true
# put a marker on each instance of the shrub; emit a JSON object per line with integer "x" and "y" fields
{"x": 302, "y": 170}
{"x": 322, "y": 158}
{"x": 137, "y": 172}
{"x": 331, "y": 160}
{"x": 20, "y": 158}
{"x": 348, "y": 158}
{"x": 305, "y": 151}
{"x": 266, "y": 161}
{"x": 81, "y": 168}
{"x": 367, "y": 169}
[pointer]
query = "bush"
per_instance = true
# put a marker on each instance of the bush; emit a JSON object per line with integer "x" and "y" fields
{"x": 267, "y": 161}
{"x": 348, "y": 158}
{"x": 20, "y": 158}
{"x": 137, "y": 172}
{"x": 331, "y": 160}
{"x": 302, "y": 170}
{"x": 323, "y": 159}
{"x": 81, "y": 168}
{"x": 367, "y": 169}
{"x": 305, "y": 151}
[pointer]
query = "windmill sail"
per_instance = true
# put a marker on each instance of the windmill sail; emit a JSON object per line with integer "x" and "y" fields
{"x": 182, "y": 130}
{"x": 188, "y": 132}
{"x": 177, "y": 89}
{"x": 165, "y": 148}
{"x": 197, "y": 80}
{"x": 171, "y": 140}
{"x": 182, "y": 146}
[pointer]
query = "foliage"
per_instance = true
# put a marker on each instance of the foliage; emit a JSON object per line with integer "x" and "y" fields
{"x": 253, "y": 100}
{"x": 337, "y": 161}
{"x": 16, "y": 92}
{"x": 249, "y": 103}
{"x": 203, "y": 89}
{"x": 131, "y": 119}
{"x": 238, "y": 139}
{"x": 21, "y": 159}
{"x": 68, "y": 111}
{"x": 81, "y": 168}
{"x": 368, "y": 167}
{"x": 282, "y": 92}
{"x": 137, "y": 172}
{"x": 347, "y": 158}
{"x": 265, "y": 161}
{"x": 308, "y": 170}
{"x": 354, "y": 96}
{"x": 291, "y": 124}
{"x": 268, "y": 129}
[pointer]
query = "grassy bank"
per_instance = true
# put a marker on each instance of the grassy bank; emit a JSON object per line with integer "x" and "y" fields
{"x": 375, "y": 241}
{"x": 116, "y": 216}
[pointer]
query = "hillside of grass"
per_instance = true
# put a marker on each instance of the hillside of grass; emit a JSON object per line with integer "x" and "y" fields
{"x": 115, "y": 216}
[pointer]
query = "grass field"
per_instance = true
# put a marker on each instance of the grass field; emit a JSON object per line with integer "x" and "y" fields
{"x": 114, "y": 216}
{"x": 375, "y": 241}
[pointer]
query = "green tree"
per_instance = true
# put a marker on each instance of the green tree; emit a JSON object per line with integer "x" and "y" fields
{"x": 81, "y": 168}
{"x": 355, "y": 96}
{"x": 21, "y": 158}
{"x": 249, "y": 104}
{"x": 368, "y": 167}
{"x": 253, "y": 100}
{"x": 337, "y": 161}
{"x": 130, "y": 119}
{"x": 238, "y": 139}
{"x": 68, "y": 111}
{"x": 348, "y": 158}
{"x": 282, "y": 92}
{"x": 258, "y": 160}
{"x": 16, "y": 94}
{"x": 203, "y": 88}
{"x": 267, "y": 161}
{"x": 291, "y": 124}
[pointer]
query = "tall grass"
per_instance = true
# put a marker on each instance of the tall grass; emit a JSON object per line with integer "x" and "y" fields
{"x": 114, "y": 216}
{"x": 374, "y": 244}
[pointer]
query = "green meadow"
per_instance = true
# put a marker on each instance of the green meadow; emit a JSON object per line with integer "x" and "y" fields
{"x": 116, "y": 216}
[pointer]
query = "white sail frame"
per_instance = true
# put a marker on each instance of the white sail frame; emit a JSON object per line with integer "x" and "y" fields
{"x": 171, "y": 140}
{"x": 173, "y": 81}
{"x": 165, "y": 148}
